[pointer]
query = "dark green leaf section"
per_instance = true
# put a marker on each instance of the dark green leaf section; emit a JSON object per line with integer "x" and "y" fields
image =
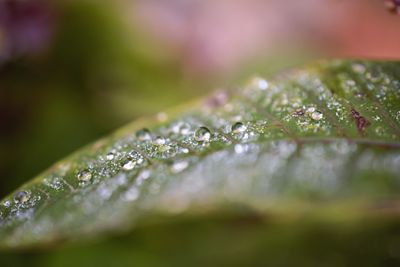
{"x": 321, "y": 136}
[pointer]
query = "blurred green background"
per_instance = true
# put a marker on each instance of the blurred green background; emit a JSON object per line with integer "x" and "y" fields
{"x": 91, "y": 74}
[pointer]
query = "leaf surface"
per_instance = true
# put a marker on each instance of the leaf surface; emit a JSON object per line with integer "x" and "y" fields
{"x": 325, "y": 137}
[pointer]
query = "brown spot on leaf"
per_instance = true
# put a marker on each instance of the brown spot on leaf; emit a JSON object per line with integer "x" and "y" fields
{"x": 361, "y": 122}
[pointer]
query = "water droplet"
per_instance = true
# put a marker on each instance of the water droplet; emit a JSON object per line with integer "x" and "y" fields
{"x": 179, "y": 166}
{"x": 55, "y": 183}
{"x": 202, "y": 134}
{"x": 239, "y": 131}
{"x": 22, "y": 197}
{"x": 129, "y": 164}
{"x": 110, "y": 156}
{"x": 159, "y": 141}
{"x": 316, "y": 115}
{"x": 84, "y": 175}
{"x": 7, "y": 203}
{"x": 238, "y": 128}
{"x": 143, "y": 134}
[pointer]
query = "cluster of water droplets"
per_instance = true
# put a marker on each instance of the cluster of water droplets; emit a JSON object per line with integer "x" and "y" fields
{"x": 227, "y": 133}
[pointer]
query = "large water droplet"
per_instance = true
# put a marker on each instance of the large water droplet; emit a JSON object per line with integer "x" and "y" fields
{"x": 202, "y": 134}
{"x": 84, "y": 175}
{"x": 238, "y": 128}
{"x": 22, "y": 197}
{"x": 143, "y": 134}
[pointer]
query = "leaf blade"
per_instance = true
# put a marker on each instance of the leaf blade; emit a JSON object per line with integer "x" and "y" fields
{"x": 323, "y": 133}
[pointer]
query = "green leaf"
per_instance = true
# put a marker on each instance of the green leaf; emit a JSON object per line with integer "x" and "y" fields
{"x": 321, "y": 141}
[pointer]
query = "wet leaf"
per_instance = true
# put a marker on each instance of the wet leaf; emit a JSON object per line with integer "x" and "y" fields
{"x": 325, "y": 138}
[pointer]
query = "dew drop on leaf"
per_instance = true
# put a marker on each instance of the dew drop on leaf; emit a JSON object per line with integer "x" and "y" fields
{"x": 159, "y": 141}
{"x": 55, "y": 183}
{"x": 202, "y": 134}
{"x": 110, "y": 156}
{"x": 7, "y": 204}
{"x": 143, "y": 134}
{"x": 129, "y": 164}
{"x": 22, "y": 197}
{"x": 238, "y": 128}
{"x": 84, "y": 175}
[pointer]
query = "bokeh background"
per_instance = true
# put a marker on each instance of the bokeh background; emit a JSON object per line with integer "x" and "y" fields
{"x": 72, "y": 71}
